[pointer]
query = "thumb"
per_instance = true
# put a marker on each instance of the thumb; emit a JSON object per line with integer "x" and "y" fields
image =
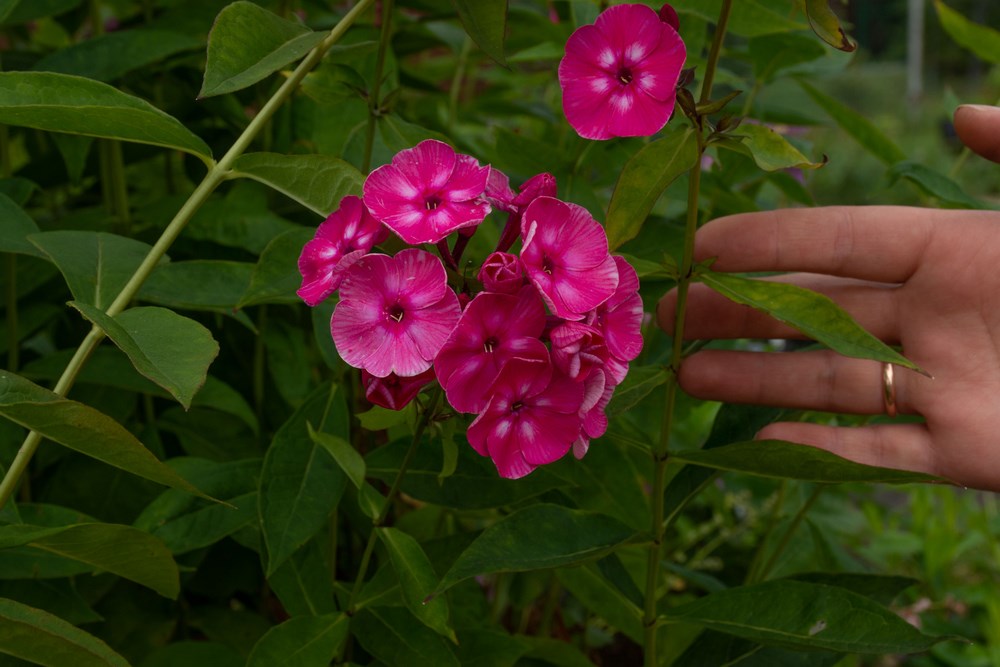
{"x": 978, "y": 126}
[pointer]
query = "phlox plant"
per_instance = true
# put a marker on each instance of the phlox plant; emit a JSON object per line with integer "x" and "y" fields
{"x": 382, "y": 383}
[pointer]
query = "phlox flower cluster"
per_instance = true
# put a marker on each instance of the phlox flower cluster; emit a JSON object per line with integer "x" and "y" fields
{"x": 532, "y": 340}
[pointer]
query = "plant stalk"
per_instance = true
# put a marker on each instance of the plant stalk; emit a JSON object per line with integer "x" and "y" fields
{"x": 217, "y": 173}
{"x": 787, "y": 536}
{"x": 378, "y": 521}
{"x": 375, "y": 95}
{"x": 660, "y": 452}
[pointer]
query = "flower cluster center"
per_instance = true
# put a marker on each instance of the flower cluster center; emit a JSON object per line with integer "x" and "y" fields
{"x": 625, "y": 76}
{"x": 490, "y": 344}
{"x": 432, "y": 202}
{"x": 396, "y": 313}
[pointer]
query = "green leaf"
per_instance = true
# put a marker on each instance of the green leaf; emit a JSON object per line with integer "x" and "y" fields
{"x": 348, "y": 458}
{"x": 770, "y": 150}
{"x": 300, "y": 484}
{"x": 857, "y": 126}
{"x": 595, "y": 592}
{"x": 640, "y": 381}
{"x": 980, "y": 39}
{"x": 392, "y": 635}
{"x": 44, "y": 639}
{"x": 825, "y": 24}
{"x": 536, "y": 537}
{"x": 95, "y": 265}
{"x": 379, "y": 419}
{"x": 6, "y": 7}
{"x": 733, "y": 423}
{"x": 717, "y": 648}
{"x": 16, "y": 228}
{"x": 773, "y": 54}
{"x": 935, "y": 184}
{"x": 109, "y": 367}
{"x": 749, "y": 18}
{"x": 65, "y": 103}
{"x": 417, "y": 579}
{"x": 787, "y": 460}
{"x": 58, "y": 596}
{"x": 303, "y": 582}
{"x": 200, "y": 284}
{"x": 474, "y": 484}
{"x": 800, "y": 615}
{"x": 74, "y": 149}
{"x": 24, "y": 11}
{"x": 304, "y": 641}
{"x": 169, "y": 349}
{"x": 247, "y": 43}
{"x": 882, "y": 588}
{"x": 645, "y": 176}
{"x": 814, "y": 314}
{"x": 606, "y": 482}
{"x": 83, "y": 429}
{"x": 318, "y": 182}
{"x": 185, "y": 523}
{"x": 108, "y": 57}
{"x": 276, "y": 276}
{"x": 486, "y": 23}
{"x": 193, "y": 652}
{"x": 123, "y": 550}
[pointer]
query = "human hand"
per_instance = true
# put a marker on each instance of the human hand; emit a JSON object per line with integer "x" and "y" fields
{"x": 925, "y": 279}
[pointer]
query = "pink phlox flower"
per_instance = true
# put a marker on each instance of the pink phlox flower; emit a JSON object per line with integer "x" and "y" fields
{"x": 394, "y": 392}
{"x": 394, "y": 313}
{"x": 427, "y": 192}
{"x": 597, "y": 390}
{"x": 619, "y": 76}
{"x": 565, "y": 254}
{"x": 539, "y": 185}
{"x": 620, "y": 317}
{"x": 341, "y": 240}
{"x": 498, "y": 191}
{"x": 577, "y": 349}
{"x": 494, "y": 329}
{"x": 532, "y": 418}
{"x": 501, "y": 272}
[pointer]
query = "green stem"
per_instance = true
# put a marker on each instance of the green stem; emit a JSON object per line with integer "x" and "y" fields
{"x": 455, "y": 92}
{"x": 377, "y": 523}
{"x": 118, "y": 187}
{"x": 216, "y": 174}
{"x": 374, "y": 96}
{"x": 258, "y": 364}
{"x": 660, "y": 452}
{"x": 104, "y": 165}
{"x": 772, "y": 523}
{"x": 13, "y": 336}
{"x": 787, "y": 537}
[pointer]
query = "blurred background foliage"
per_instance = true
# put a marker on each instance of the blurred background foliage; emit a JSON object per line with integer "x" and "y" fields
{"x": 274, "y": 354}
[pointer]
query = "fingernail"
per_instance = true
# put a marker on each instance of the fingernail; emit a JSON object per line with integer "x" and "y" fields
{"x": 976, "y": 107}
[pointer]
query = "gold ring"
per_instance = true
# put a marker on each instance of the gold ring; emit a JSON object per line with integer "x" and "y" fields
{"x": 888, "y": 389}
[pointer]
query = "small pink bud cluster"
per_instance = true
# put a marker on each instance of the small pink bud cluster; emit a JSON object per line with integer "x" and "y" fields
{"x": 534, "y": 348}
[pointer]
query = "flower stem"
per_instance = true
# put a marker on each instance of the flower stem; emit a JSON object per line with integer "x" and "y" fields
{"x": 216, "y": 174}
{"x": 660, "y": 452}
{"x": 118, "y": 187}
{"x": 374, "y": 96}
{"x": 789, "y": 532}
{"x": 455, "y": 91}
{"x": 378, "y": 521}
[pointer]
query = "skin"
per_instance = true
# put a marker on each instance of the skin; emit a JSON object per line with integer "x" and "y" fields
{"x": 925, "y": 279}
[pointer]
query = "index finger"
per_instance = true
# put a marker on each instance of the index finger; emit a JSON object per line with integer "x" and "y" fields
{"x": 880, "y": 243}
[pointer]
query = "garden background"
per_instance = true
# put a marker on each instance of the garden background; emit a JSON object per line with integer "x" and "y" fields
{"x": 335, "y": 539}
